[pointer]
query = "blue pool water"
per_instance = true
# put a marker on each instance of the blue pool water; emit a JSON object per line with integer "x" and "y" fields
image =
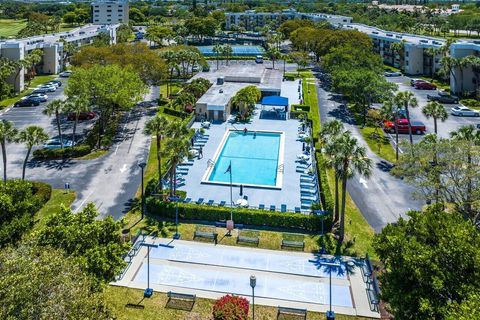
{"x": 254, "y": 159}
{"x": 238, "y": 51}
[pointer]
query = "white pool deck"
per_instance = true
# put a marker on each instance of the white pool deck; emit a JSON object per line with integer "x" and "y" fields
{"x": 284, "y": 278}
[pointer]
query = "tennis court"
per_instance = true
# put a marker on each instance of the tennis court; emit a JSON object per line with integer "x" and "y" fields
{"x": 238, "y": 51}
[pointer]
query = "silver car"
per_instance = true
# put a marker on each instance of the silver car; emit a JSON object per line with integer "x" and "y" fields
{"x": 463, "y": 111}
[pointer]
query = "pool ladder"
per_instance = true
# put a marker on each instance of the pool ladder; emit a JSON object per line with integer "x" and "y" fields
{"x": 210, "y": 163}
{"x": 280, "y": 168}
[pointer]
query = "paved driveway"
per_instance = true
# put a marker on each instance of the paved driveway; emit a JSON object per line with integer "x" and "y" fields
{"x": 444, "y": 128}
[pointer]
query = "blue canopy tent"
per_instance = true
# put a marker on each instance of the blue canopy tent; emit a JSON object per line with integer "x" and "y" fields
{"x": 278, "y": 110}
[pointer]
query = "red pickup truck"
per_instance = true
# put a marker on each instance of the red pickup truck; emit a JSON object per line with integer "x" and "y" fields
{"x": 418, "y": 127}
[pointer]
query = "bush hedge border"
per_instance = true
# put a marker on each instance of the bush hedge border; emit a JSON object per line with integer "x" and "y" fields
{"x": 247, "y": 216}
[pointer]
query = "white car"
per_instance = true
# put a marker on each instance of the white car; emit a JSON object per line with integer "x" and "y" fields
{"x": 49, "y": 88}
{"x": 392, "y": 74}
{"x": 65, "y": 74}
{"x": 40, "y": 96}
{"x": 55, "y": 143}
{"x": 464, "y": 112}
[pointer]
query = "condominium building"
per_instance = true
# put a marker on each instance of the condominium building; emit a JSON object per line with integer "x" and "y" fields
{"x": 110, "y": 12}
{"x": 416, "y": 58}
{"x": 465, "y": 80}
{"x": 251, "y": 20}
{"x": 53, "y": 57}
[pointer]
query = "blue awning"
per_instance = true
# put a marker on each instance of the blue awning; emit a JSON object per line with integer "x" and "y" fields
{"x": 275, "y": 101}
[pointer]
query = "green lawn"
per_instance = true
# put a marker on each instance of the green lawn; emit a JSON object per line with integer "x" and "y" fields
{"x": 381, "y": 145}
{"x": 10, "y": 27}
{"x": 38, "y": 80}
{"x": 155, "y": 307}
{"x": 58, "y": 198}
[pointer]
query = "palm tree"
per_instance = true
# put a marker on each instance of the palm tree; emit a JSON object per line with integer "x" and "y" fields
{"x": 328, "y": 134}
{"x": 448, "y": 65}
{"x": 350, "y": 159}
{"x": 471, "y": 137}
{"x": 178, "y": 151}
{"x": 407, "y": 99}
{"x": 217, "y": 49}
{"x": 158, "y": 126}
{"x": 55, "y": 108}
{"x": 432, "y": 52}
{"x": 274, "y": 54}
{"x": 399, "y": 48}
{"x": 8, "y": 133}
{"x": 76, "y": 106}
{"x": 389, "y": 111}
{"x": 227, "y": 52}
{"x": 435, "y": 110}
{"x": 474, "y": 63}
{"x": 31, "y": 136}
{"x": 462, "y": 63}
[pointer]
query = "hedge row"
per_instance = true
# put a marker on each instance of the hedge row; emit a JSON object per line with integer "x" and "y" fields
{"x": 325, "y": 187}
{"x": 174, "y": 112}
{"x": 42, "y": 191}
{"x": 296, "y": 114}
{"x": 70, "y": 152}
{"x": 300, "y": 107}
{"x": 189, "y": 211}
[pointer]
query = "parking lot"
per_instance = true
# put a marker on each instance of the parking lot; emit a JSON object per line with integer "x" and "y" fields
{"x": 444, "y": 128}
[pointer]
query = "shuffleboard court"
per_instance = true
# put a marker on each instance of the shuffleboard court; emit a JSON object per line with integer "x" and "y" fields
{"x": 272, "y": 286}
{"x": 308, "y": 265}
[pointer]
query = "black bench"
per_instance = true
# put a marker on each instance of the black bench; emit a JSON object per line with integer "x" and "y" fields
{"x": 135, "y": 249}
{"x": 188, "y": 300}
{"x": 206, "y": 235}
{"x": 367, "y": 269}
{"x": 289, "y": 312}
{"x": 248, "y": 237}
{"x": 293, "y": 244}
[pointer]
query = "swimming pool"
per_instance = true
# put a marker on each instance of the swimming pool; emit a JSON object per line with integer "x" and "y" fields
{"x": 238, "y": 51}
{"x": 256, "y": 159}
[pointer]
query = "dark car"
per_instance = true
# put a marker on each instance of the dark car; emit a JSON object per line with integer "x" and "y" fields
{"x": 27, "y": 102}
{"x": 82, "y": 116}
{"x": 40, "y": 90}
{"x": 425, "y": 86}
{"x": 447, "y": 99}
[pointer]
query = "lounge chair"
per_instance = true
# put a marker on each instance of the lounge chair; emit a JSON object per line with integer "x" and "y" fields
{"x": 199, "y": 201}
{"x": 297, "y": 210}
{"x": 308, "y": 185}
{"x": 222, "y": 203}
{"x": 180, "y": 184}
{"x": 308, "y": 198}
{"x": 187, "y": 200}
{"x": 304, "y": 166}
{"x": 283, "y": 208}
{"x": 272, "y": 207}
{"x": 210, "y": 202}
{"x": 308, "y": 190}
{"x": 261, "y": 206}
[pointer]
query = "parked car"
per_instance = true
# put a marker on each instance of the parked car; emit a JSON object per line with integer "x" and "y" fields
{"x": 40, "y": 96}
{"x": 82, "y": 116}
{"x": 55, "y": 143}
{"x": 65, "y": 74}
{"x": 413, "y": 81}
{"x": 27, "y": 102}
{"x": 392, "y": 74}
{"x": 56, "y": 83}
{"x": 463, "y": 111}
{"x": 443, "y": 97}
{"x": 40, "y": 90}
{"x": 423, "y": 85}
{"x": 49, "y": 88}
{"x": 195, "y": 68}
{"x": 418, "y": 127}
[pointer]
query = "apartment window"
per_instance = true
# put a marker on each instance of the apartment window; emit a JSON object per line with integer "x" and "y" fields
{"x": 109, "y": 20}
{"x": 406, "y": 63}
{"x": 120, "y": 10}
{"x": 406, "y": 54}
{"x": 96, "y": 11}
{"x": 109, "y": 10}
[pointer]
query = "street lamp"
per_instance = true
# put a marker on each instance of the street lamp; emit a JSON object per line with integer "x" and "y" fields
{"x": 253, "y": 283}
{"x": 142, "y": 166}
{"x": 176, "y": 199}
{"x": 148, "y": 291}
{"x": 330, "y": 265}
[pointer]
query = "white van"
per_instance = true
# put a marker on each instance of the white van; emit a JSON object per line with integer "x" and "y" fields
{"x": 259, "y": 59}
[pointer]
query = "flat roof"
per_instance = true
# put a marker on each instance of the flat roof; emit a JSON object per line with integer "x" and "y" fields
{"x": 244, "y": 75}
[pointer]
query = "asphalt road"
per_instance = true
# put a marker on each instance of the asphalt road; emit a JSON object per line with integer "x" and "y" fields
{"x": 382, "y": 198}
{"x": 110, "y": 181}
{"x": 444, "y": 128}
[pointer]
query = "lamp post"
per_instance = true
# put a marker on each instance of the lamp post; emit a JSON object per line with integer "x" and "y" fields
{"x": 330, "y": 265}
{"x": 148, "y": 291}
{"x": 176, "y": 199}
{"x": 253, "y": 283}
{"x": 142, "y": 166}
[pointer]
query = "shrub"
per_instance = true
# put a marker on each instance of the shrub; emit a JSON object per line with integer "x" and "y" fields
{"x": 300, "y": 107}
{"x": 42, "y": 191}
{"x": 174, "y": 112}
{"x": 231, "y": 308}
{"x": 471, "y": 103}
{"x": 191, "y": 211}
{"x": 296, "y": 114}
{"x": 73, "y": 152}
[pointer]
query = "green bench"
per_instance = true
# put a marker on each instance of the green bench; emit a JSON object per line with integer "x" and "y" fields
{"x": 293, "y": 241}
{"x": 288, "y": 313}
{"x": 248, "y": 236}
{"x": 205, "y": 234}
{"x": 181, "y": 301}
